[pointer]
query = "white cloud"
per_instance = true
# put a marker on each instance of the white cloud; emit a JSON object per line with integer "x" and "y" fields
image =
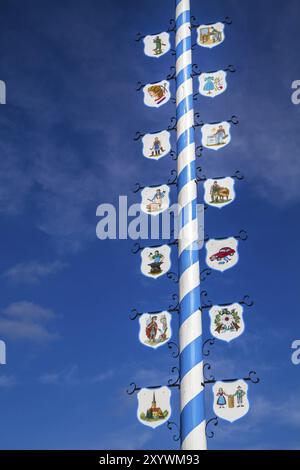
{"x": 7, "y": 381}
{"x": 71, "y": 376}
{"x": 26, "y": 320}
{"x": 33, "y": 271}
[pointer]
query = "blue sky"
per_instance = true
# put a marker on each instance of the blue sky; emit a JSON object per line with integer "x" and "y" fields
{"x": 66, "y": 146}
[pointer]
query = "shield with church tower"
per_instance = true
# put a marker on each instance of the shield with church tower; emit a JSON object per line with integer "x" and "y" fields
{"x": 154, "y": 407}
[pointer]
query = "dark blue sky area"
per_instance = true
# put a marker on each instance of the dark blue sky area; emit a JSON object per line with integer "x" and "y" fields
{"x": 66, "y": 146}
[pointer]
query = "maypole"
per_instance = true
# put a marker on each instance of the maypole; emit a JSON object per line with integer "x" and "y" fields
{"x": 192, "y": 418}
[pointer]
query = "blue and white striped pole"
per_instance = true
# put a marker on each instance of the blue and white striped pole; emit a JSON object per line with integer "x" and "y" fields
{"x": 192, "y": 418}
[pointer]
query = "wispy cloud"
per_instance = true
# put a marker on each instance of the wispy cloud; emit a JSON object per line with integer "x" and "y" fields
{"x": 71, "y": 376}
{"x": 7, "y": 381}
{"x": 33, "y": 272}
{"x": 27, "y": 320}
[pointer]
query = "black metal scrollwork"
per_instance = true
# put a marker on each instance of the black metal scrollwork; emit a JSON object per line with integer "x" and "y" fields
{"x": 204, "y": 302}
{"x": 175, "y": 382}
{"x": 227, "y": 20}
{"x": 171, "y": 127}
{"x": 214, "y": 421}
{"x": 211, "y": 378}
{"x": 171, "y": 28}
{"x": 170, "y": 426}
{"x": 173, "y": 346}
{"x": 204, "y": 273}
{"x": 205, "y": 346}
{"x": 173, "y": 277}
{"x": 196, "y": 72}
{"x": 172, "y": 307}
{"x": 132, "y": 388}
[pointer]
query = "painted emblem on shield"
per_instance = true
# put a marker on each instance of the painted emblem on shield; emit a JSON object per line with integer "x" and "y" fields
{"x": 226, "y": 323}
{"x": 222, "y": 254}
{"x": 155, "y": 329}
{"x": 157, "y": 45}
{"x": 231, "y": 399}
{"x": 155, "y": 200}
{"x": 154, "y": 407}
{"x": 157, "y": 94}
{"x": 156, "y": 146}
{"x": 219, "y": 193}
{"x": 210, "y": 35}
{"x": 212, "y": 84}
{"x": 156, "y": 261}
{"x": 216, "y": 136}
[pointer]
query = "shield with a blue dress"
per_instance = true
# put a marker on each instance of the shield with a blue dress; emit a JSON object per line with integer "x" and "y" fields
{"x": 230, "y": 399}
{"x": 216, "y": 136}
{"x": 157, "y": 45}
{"x": 212, "y": 84}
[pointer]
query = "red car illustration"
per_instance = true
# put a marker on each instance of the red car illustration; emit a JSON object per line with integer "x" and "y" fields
{"x": 223, "y": 253}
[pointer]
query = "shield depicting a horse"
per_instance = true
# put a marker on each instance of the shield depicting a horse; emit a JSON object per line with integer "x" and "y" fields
{"x": 231, "y": 399}
{"x": 227, "y": 323}
{"x": 216, "y": 136}
{"x": 156, "y": 94}
{"x": 210, "y": 35}
{"x": 155, "y": 329}
{"x": 156, "y": 146}
{"x": 154, "y": 406}
{"x": 155, "y": 200}
{"x": 156, "y": 261}
{"x": 212, "y": 84}
{"x": 222, "y": 254}
{"x": 220, "y": 192}
{"x": 157, "y": 45}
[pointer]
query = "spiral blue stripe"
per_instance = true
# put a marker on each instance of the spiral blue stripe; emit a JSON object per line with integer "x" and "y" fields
{"x": 192, "y": 395}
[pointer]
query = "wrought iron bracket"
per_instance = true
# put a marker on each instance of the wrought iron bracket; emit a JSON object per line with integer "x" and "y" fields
{"x": 171, "y": 29}
{"x": 206, "y": 304}
{"x": 137, "y": 247}
{"x": 233, "y": 120}
{"x": 213, "y": 421}
{"x": 171, "y": 127}
{"x": 201, "y": 177}
{"x": 172, "y": 383}
{"x": 251, "y": 377}
{"x": 242, "y": 236}
{"x": 172, "y": 181}
{"x": 173, "y": 308}
{"x": 227, "y": 20}
{"x": 171, "y": 425}
{"x": 196, "y": 72}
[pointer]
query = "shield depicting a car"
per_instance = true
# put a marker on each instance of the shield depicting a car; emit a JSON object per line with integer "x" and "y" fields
{"x": 231, "y": 399}
{"x": 212, "y": 84}
{"x": 222, "y": 254}
{"x": 157, "y": 45}
{"x": 227, "y": 323}
{"x": 155, "y": 329}
{"x": 156, "y": 261}
{"x": 156, "y": 94}
{"x": 216, "y": 136}
{"x": 157, "y": 145}
{"x": 155, "y": 200}
{"x": 154, "y": 406}
{"x": 219, "y": 193}
{"x": 210, "y": 35}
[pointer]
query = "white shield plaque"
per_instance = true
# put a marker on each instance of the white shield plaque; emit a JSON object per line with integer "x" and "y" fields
{"x": 155, "y": 329}
{"x": 156, "y": 146}
{"x": 156, "y": 94}
{"x": 231, "y": 399}
{"x": 210, "y": 35}
{"x": 154, "y": 407}
{"x": 216, "y": 136}
{"x": 222, "y": 254}
{"x": 226, "y": 323}
{"x": 212, "y": 84}
{"x": 155, "y": 200}
{"x": 219, "y": 193}
{"x": 157, "y": 45}
{"x": 156, "y": 261}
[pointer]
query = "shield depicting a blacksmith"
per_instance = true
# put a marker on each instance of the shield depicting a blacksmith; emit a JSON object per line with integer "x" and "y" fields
{"x": 219, "y": 192}
{"x": 231, "y": 399}
{"x": 154, "y": 406}
{"x": 155, "y": 261}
